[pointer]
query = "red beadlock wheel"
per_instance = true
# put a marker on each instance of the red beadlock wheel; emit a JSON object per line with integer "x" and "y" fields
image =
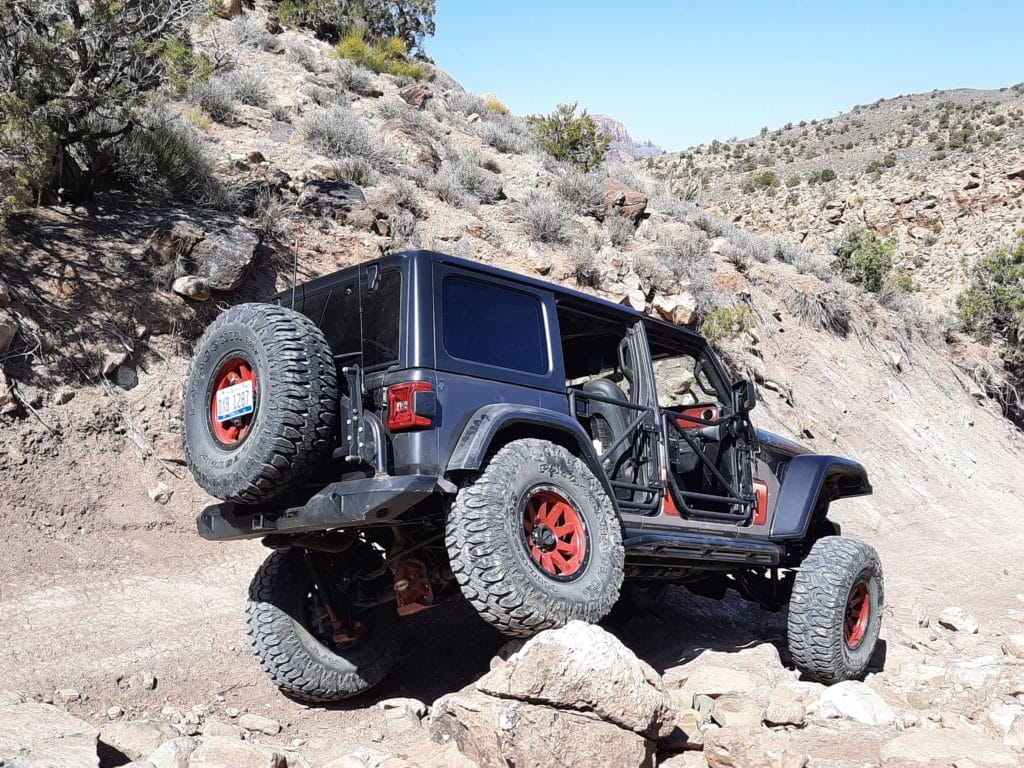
{"x": 555, "y": 534}
{"x": 858, "y": 611}
{"x": 233, "y": 431}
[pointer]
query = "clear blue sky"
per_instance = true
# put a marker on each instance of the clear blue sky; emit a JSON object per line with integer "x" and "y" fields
{"x": 684, "y": 73}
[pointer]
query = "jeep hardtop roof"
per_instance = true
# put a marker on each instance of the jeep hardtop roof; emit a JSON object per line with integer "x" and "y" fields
{"x": 421, "y": 260}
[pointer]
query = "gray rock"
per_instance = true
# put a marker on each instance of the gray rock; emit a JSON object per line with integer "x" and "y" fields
{"x": 785, "y": 707}
{"x": 136, "y": 739}
{"x": 224, "y": 257}
{"x": 5, "y": 294}
{"x": 192, "y": 287}
{"x": 492, "y": 732}
{"x": 329, "y": 198}
{"x": 854, "y": 700}
{"x": 958, "y": 620}
{"x": 260, "y": 724}
{"x": 216, "y": 752}
{"x": 734, "y": 711}
{"x": 160, "y": 493}
{"x": 174, "y": 753}
{"x": 687, "y": 734}
{"x": 582, "y": 667}
{"x": 38, "y": 735}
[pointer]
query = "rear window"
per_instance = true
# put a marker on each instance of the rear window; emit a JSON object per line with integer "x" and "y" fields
{"x": 494, "y": 325}
{"x": 356, "y": 320}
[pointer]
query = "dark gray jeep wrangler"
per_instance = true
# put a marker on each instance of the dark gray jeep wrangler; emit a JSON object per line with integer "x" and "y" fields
{"x": 422, "y": 424}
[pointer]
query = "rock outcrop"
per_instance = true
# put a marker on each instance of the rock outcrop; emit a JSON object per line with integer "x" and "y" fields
{"x": 37, "y": 735}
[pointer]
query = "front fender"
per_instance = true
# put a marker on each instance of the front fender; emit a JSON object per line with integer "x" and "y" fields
{"x": 488, "y": 421}
{"x": 806, "y": 478}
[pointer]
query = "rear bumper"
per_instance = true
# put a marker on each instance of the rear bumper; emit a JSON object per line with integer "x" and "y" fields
{"x": 339, "y": 505}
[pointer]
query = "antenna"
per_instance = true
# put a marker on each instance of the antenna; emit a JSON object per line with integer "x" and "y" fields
{"x": 295, "y": 267}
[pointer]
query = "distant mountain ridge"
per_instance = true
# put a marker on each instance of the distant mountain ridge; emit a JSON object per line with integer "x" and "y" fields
{"x": 624, "y": 147}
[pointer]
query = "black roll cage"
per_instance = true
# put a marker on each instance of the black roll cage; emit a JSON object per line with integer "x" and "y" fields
{"x": 653, "y": 420}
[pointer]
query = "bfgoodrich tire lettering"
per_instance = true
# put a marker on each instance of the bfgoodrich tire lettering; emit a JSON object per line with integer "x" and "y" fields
{"x": 299, "y": 664}
{"x": 818, "y": 638}
{"x": 296, "y": 403}
{"x": 490, "y": 556}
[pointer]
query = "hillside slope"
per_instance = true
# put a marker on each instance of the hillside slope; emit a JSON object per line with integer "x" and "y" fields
{"x": 942, "y": 173}
{"x": 105, "y": 585}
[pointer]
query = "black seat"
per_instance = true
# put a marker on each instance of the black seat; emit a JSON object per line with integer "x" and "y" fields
{"x": 608, "y": 422}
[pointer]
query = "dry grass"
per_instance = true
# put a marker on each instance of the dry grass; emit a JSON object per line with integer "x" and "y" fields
{"x": 545, "y": 218}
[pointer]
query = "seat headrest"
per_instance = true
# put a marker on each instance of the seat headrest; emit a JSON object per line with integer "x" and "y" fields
{"x": 605, "y": 388}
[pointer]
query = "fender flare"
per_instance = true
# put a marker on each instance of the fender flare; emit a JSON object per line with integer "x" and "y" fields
{"x": 806, "y": 478}
{"x": 488, "y": 421}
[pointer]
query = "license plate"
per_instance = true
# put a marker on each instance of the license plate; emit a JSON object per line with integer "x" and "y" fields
{"x": 234, "y": 401}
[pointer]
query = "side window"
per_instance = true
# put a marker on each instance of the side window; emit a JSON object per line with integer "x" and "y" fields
{"x": 357, "y": 320}
{"x": 494, "y": 325}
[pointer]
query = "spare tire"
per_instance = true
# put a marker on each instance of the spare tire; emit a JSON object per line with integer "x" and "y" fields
{"x": 261, "y": 402}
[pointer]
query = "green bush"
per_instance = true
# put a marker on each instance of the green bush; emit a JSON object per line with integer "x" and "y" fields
{"x": 863, "y": 258}
{"x": 570, "y": 137}
{"x": 763, "y": 180}
{"x": 73, "y": 79}
{"x": 991, "y": 306}
{"x": 382, "y": 56}
{"x": 167, "y": 156}
{"x": 407, "y": 20}
{"x": 822, "y": 176}
{"x": 726, "y": 322}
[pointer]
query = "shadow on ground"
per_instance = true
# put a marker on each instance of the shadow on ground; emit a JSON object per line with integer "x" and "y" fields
{"x": 448, "y": 647}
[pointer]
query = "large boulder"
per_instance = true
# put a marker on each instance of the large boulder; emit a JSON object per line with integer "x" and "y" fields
{"x": 324, "y": 197}
{"x": 496, "y": 733}
{"x": 219, "y": 252}
{"x": 37, "y": 735}
{"x": 224, "y": 257}
{"x": 622, "y": 200}
{"x": 137, "y": 739}
{"x": 584, "y": 668}
{"x": 854, "y": 700}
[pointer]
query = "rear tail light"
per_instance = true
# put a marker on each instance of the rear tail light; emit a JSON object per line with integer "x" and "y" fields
{"x": 411, "y": 404}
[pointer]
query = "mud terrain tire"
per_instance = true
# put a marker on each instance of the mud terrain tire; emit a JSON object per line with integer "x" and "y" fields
{"x": 523, "y": 582}
{"x": 299, "y": 664}
{"x": 835, "y": 612}
{"x": 284, "y": 440}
